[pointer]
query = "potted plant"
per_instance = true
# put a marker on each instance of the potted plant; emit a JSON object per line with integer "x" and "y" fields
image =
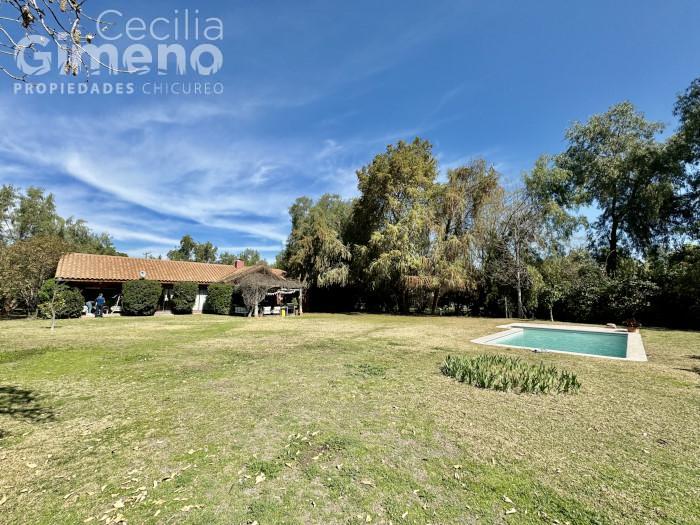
{"x": 632, "y": 325}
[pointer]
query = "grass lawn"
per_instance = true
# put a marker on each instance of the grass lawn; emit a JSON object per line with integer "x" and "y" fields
{"x": 333, "y": 419}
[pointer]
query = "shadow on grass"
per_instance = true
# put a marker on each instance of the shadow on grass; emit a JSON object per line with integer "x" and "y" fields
{"x": 19, "y": 403}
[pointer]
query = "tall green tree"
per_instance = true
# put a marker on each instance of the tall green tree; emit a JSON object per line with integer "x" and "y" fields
{"x": 316, "y": 252}
{"x": 205, "y": 252}
{"x": 392, "y": 218}
{"x": 184, "y": 252}
{"x": 31, "y": 213}
{"x": 685, "y": 148}
{"x": 614, "y": 163}
{"x": 250, "y": 257}
{"x": 459, "y": 203}
{"x": 24, "y": 266}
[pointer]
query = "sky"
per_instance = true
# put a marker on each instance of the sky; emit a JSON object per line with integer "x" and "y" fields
{"x": 313, "y": 90}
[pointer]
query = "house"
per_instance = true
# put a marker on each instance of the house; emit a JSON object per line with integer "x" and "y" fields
{"x": 95, "y": 274}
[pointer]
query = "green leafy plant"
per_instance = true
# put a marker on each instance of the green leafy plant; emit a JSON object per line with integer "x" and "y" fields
{"x": 510, "y": 374}
{"x": 58, "y": 301}
{"x": 184, "y": 297}
{"x": 141, "y": 297}
{"x": 219, "y": 299}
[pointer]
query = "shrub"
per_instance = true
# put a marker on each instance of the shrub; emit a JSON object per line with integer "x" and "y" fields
{"x": 140, "y": 297}
{"x": 498, "y": 372}
{"x": 68, "y": 302}
{"x": 219, "y": 299}
{"x": 73, "y": 306}
{"x": 184, "y": 297}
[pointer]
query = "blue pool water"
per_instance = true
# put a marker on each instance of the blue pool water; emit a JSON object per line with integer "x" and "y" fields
{"x": 592, "y": 343}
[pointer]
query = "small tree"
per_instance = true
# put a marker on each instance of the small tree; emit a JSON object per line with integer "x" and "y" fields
{"x": 254, "y": 289}
{"x": 184, "y": 297}
{"x": 52, "y": 300}
{"x": 141, "y": 297}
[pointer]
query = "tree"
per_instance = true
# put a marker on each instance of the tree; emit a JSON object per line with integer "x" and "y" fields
{"x": 391, "y": 221}
{"x": 315, "y": 251}
{"x": 52, "y": 298}
{"x": 24, "y": 215}
{"x": 614, "y": 162}
{"x": 250, "y": 257}
{"x": 24, "y": 23}
{"x": 25, "y": 265}
{"x": 550, "y": 188}
{"x": 521, "y": 230}
{"x": 685, "y": 149}
{"x": 459, "y": 204}
{"x": 558, "y": 276}
{"x": 253, "y": 290}
{"x": 205, "y": 252}
{"x": 185, "y": 252}
{"x": 193, "y": 251}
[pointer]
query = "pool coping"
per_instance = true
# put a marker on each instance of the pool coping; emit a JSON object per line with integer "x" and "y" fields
{"x": 635, "y": 344}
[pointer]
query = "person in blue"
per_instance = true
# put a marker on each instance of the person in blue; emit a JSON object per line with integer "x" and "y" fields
{"x": 99, "y": 305}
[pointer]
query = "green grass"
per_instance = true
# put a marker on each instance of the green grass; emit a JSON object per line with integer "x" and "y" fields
{"x": 334, "y": 419}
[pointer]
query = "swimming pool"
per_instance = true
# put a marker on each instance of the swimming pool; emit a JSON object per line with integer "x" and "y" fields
{"x": 598, "y": 342}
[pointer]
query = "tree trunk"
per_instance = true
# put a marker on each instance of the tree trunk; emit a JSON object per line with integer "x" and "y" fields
{"x": 255, "y": 311}
{"x": 505, "y": 301}
{"x": 611, "y": 263}
{"x": 551, "y": 313}
{"x": 436, "y": 299}
{"x": 519, "y": 290}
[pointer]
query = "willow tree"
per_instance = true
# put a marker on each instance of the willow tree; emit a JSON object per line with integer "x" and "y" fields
{"x": 459, "y": 203}
{"x": 392, "y": 219}
{"x": 316, "y": 253}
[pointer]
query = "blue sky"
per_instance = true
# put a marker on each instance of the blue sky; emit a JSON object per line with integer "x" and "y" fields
{"x": 313, "y": 90}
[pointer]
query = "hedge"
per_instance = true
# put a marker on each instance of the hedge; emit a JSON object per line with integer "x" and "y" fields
{"x": 219, "y": 299}
{"x": 140, "y": 297}
{"x": 184, "y": 297}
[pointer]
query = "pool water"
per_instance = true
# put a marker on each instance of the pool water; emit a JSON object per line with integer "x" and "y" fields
{"x": 592, "y": 343}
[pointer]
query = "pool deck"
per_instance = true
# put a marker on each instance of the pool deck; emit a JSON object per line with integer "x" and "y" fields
{"x": 635, "y": 345}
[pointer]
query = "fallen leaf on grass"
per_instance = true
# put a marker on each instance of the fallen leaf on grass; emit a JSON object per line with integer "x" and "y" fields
{"x": 260, "y": 478}
{"x": 507, "y": 499}
{"x": 511, "y": 511}
{"x": 3, "y": 500}
{"x": 367, "y": 482}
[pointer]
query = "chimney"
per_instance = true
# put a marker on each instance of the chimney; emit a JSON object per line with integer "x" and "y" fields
{"x": 239, "y": 264}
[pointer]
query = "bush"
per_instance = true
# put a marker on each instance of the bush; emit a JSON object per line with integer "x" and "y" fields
{"x": 74, "y": 303}
{"x": 140, "y": 297}
{"x": 184, "y": 297}
{"x": 219, "y": 299}
{"x": 499, "y": 372}
{"x": 68, "y": 302}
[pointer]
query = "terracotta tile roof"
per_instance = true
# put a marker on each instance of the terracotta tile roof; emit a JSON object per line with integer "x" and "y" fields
{"x": 107, "y": 268}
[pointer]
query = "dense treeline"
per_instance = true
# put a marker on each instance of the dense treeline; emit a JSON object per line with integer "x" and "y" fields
{"x": 32, "y": 239}
{"x": 417, "y": 242}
